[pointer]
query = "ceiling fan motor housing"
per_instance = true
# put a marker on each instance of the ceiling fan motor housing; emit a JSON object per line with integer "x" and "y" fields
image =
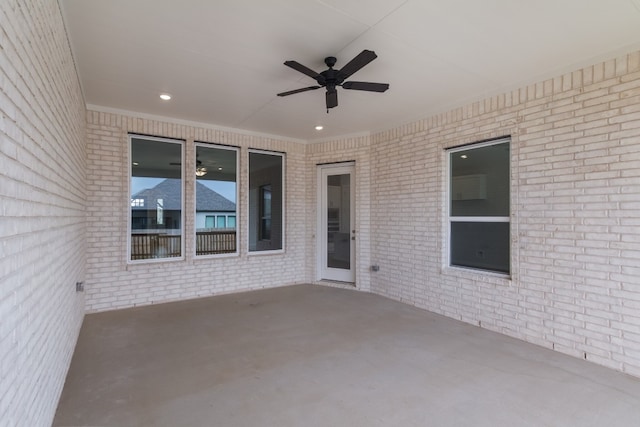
{"x": 330, "y": 78}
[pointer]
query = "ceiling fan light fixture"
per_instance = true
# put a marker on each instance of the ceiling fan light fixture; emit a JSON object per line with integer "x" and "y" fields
{"x": 201, "y": 171}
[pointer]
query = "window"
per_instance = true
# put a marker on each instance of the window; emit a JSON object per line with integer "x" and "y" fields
{"x": 216, "y": 194}
{"x": 266, "y": 201}
{"x": 479, "y": 200}
{"x": 219, "y": 221}
{"x": 155, "y": 220}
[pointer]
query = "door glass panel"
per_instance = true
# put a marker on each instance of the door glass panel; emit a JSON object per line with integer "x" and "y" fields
{"x": 338, "y": 221}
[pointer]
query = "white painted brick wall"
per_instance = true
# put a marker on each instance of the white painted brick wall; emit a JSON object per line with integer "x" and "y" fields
{"x": 575, "y": 283}
{"x": 42, "y": 201}
{"x": 112, "y": 283}
{"x": 575, "y": 222}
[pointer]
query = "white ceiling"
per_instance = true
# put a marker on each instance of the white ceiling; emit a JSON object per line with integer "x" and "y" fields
{"x": 222, "y": 60}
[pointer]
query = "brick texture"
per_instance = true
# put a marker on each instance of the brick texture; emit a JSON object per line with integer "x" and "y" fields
{"x": 575, "y": 186}
{"x": 42, "y": 200}
{"x": 113, "y": 283}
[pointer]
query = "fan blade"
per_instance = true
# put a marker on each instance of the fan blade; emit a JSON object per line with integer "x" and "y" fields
{"x": 362, "y": 59}
{"x": 371, "y": 87}
{"x": 305, "y": 70}
{"x": 332, "y": 98}
{"x": 304, "y": 89}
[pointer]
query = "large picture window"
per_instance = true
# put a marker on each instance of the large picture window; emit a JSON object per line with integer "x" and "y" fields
{"x": 479, "y": 200}
{"x": 216, "y": 172}
{"x": 266, "y": 201}
{"x": 156, "y": 193}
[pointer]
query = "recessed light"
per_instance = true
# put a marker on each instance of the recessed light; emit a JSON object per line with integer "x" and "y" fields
{"x": 219, "y": 169}
{"x": 165, "y": 96}
{"x": 135, "y": 163}
{"x": 464, "y": 156}
{"x": 319, "y": 127}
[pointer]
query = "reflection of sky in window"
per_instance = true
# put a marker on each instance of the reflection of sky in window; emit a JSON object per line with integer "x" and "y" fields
{"x": 226, "y": 189}
{"x": 138, "y": 184}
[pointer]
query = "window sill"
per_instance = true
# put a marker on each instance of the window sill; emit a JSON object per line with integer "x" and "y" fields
{"x": 154, "y": 260}
{"x": 216, "y": 256}
{"x": 500, "y": 278}
{"x": 257, "y": 253}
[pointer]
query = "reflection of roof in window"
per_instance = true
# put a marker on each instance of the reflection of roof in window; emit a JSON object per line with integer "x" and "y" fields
{"x": 170, "y": 191}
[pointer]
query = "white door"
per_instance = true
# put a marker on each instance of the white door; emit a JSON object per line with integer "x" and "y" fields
{"x": 336, "y": 230}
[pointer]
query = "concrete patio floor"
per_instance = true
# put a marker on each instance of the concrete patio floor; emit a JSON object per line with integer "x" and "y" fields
{"x": 319, "y": 356}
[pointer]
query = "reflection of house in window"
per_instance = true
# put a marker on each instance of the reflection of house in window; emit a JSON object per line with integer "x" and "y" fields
{"x": 215, "y": 222}
{"x": 160, "y": 207}
{"x": 221, "y": 220}
{"x": 265, "y": 212}
{"x": 212, "y": 209}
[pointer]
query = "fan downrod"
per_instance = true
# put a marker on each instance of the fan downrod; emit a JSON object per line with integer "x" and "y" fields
{"x": 330, "y": 61}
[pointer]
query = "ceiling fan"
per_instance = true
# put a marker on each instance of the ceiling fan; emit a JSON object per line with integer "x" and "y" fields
{"x": 332, "y": 78}
{"x": 200, "y": 170}
{"x": 198, "y": 163}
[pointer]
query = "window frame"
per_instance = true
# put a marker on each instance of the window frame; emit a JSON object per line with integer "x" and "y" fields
{"x": 182, "y": 143}
{"x": 488, "y": 219}
{"x": 283, "y": 206}
{"x": 215, "y": 216}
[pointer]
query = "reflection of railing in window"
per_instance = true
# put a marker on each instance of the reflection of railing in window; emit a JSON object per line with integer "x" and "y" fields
{"x": 215, "y": 242}
{"x": 265, "y": 212}
{"x": 146, "y": 246}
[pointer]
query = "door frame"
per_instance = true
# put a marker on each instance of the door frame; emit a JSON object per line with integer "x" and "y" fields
{"x": 323, "y": 170}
